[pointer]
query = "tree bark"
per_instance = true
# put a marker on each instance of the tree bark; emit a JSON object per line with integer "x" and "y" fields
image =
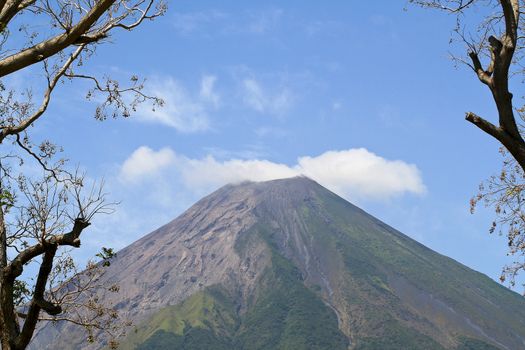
{"x": 39, "y": 303}
{"x": 8, "y": 324}
{"x": 56, "y": 44}
{"x": 496, "y": 77}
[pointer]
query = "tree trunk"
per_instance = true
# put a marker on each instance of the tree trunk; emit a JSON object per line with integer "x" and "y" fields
{"x": 8, "y": 323}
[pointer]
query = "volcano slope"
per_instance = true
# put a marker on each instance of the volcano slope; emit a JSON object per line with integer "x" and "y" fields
{"x": 287, "y": 264}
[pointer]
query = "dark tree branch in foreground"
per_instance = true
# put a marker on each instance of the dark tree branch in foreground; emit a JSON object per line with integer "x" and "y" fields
{"x": 42, "y": 219}
{"x": 496, "y": 54}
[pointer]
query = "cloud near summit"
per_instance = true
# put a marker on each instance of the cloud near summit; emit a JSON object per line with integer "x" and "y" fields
{"x": 354, "y": 173}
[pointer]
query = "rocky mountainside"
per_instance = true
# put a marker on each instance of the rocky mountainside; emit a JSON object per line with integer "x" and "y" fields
{"x": 287, "y": 264}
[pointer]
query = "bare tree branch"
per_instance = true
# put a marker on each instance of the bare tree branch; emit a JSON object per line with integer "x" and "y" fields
{"x": 24, "y": 124}
{"x": 484, "y": 76}
{"x": 38, "y": 302}
{"x": 499, "y": 37}
{"x": 56, "y": 44}
{"x": 484, "y": 125}
{"x": 40, "y": 218}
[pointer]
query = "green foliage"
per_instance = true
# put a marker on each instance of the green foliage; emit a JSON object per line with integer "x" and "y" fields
{"x": 208, "y": 313}
{"x": 380, "y": 273}
{"x": 20, "y": 292}
{"x": 7, "y": 199}
{"x": 192, "y": 338}
{"x": 287, "y": 315}
{"x": 474, "y": 344}
{"x": 106, "y": 254}
{"x": 395, "y": 336}
{"x": 374, "y": 254}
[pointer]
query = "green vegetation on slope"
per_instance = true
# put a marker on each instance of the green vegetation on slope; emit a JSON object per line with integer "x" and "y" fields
{"x": 192, "y": 338}
{"x": 395, "y": 293}
{"x": 474, "y": 344}
{"x": 206, "y": 320}
{"x": 286, "y": 315}
{"x": 374, "y": 254}
{"x": 395, "y": 336}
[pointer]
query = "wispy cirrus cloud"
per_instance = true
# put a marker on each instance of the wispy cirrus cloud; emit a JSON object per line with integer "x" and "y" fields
{"x": 207, "y": 91}
{"x": 258, "y": 98}
{"x": 184, "y": 111}
{"x": 190, "y": 22}
{"x": 212, "y": 22}
{"x": 263, "y": 21}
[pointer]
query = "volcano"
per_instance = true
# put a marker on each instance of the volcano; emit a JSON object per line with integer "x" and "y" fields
{"x": 287, "y": 264}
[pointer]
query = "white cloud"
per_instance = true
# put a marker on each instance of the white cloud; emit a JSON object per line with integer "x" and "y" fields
{"x": 324, "y": 27}
{"x": 207, "y": 92}
{"x": 213, "y": 22}
{"x": 181, "y": 111}
{"x": 209, "y": 173}
{"x": 256, "y": 98}
{"x": 264, "y": 21}
{"x": 359, "y": 172}
{"x": 354, "y": 174}
{"x": 144, "y": 162}
{"x": 336, "y": 105}
{"x": 187, "y": 23}
{"x": 267, "y": 131}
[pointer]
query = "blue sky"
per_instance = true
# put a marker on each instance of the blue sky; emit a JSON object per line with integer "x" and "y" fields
{"x": 361, "y": 96}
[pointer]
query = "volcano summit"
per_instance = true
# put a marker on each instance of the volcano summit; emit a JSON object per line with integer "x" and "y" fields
{"x": 287, "y": 264}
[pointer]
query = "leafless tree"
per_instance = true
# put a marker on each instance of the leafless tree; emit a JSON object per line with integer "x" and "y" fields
{"x": 43, "y": 215}
{"x": 495, "y": 53}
